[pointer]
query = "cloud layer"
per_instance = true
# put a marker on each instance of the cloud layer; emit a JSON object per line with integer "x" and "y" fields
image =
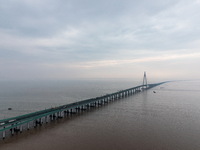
{"x": 99, "y": 39}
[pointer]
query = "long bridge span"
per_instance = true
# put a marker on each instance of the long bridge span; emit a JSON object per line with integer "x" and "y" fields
{"x": 10, "y": 126}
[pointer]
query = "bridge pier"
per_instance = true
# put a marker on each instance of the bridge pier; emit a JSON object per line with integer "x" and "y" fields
{"x": 83, "y": 108}
{"x": 51, "y": 116}
{"x": 92, "y": 105}
{"x": 34, "y": 124}
{"x": 109, "y": 99}
{"x": 46, "y": 119}
{"x": 12, "y": 131}
{"x": 106, "y": 100}
{"x": 99, "y": 103}
{"x": 4, "y": 133}
{"x": 40, "y": 122}
{"x": 72, "y": 112}
{"x": 59, "y": 114}
{"x": 78, "y": 108}
{"x": 88, "y": 105}
{"x": 28, "y": 126}
{"x": 20, "y": 128}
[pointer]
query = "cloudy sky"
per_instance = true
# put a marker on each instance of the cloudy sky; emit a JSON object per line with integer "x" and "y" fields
{"x": 65, "y": 39}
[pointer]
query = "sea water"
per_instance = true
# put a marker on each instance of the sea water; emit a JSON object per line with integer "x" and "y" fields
{"x": 166, "y": 117}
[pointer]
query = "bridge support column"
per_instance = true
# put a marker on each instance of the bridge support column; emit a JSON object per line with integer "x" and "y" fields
{"x": 12, "y": 131}
{"x": 72, "y": 112}
{"x": 91, "y": 104}
{"x": 34, "y": 123}
{"x": 88, "y": 105}
{"x": 20, "y": 128}
{"x": 40, "y": 122}
{"x": 51, "y": 117}
{"x": 54, "y": 116}
{"x": 82, "y": 107}
{"x": 4, "y": 133}
{"x": 58, "y": 115}
{"x": 64, "y": 113}
{"x": 46, "y": 119}
{"x": 106, "y": 100}
{"x": 28, "y": 126}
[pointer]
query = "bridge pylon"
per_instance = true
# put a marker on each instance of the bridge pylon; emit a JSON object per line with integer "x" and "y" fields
{"x": 144, "y": 81}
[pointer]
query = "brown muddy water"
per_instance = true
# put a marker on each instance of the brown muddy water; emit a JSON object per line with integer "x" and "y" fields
{"x": 166, "y": 120}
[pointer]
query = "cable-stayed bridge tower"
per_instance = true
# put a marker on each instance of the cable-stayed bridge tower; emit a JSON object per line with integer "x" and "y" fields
{"x": 144, "y": 81}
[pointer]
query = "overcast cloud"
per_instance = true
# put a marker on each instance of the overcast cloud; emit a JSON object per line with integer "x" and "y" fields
{"x": 64, "y": 39}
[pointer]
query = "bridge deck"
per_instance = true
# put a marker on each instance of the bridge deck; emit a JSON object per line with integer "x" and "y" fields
{"x": 14, "y": 123}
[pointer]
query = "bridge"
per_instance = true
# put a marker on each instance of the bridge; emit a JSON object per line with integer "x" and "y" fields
{"x": 13, "y": 125}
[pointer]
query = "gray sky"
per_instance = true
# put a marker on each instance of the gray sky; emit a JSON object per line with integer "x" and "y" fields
{"x": 64, "y": 39}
